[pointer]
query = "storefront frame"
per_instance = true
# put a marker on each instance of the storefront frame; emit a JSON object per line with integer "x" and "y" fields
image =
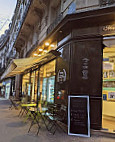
{"x": 37, "y": 69}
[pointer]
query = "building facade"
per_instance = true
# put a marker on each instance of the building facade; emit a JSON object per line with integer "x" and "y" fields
{"x": 68, "y": 36}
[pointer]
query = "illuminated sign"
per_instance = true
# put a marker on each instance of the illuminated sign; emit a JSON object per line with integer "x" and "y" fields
{"x": 109, "y": 28}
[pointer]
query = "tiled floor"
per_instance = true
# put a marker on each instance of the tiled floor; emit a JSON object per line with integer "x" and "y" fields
{"x": 13, "y": 129}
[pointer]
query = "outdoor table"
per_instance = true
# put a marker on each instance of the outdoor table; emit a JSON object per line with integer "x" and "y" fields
{"x": 24, "y": 108}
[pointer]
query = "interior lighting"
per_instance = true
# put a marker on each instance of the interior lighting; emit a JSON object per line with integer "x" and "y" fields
{"x": 45, "y": 51}
{"x": 39, "y": 55}
{"x": 35, "y": 54}
{"x": 52, "y": 45}
{"x": 40, "y": 49}
{"x": 47, "y": 44}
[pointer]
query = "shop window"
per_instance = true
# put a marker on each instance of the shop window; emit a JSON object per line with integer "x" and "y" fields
{"x": 108, "y": 93}
{"x": 46, "y": 82}
{"x": 34, "y": 80}
{"x": 26, "y": 86}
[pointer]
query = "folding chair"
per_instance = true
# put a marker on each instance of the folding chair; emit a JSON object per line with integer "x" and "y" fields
{"x": 37, "y": 114}
{"x": 14, "y": 103}
{"x": 56, "y": 114}
{"x": 35, "y": 119}
{"x": 24, "y": 108}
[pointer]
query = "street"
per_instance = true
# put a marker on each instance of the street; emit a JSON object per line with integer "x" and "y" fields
{"x": 13, "y": 129}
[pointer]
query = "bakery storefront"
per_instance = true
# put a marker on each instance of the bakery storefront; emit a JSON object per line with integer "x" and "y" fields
{"x": 38, "y": 84}
{"x": 85, "y": 66}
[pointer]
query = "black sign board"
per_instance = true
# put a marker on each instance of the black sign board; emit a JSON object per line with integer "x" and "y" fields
{"x": 78, "y": 116}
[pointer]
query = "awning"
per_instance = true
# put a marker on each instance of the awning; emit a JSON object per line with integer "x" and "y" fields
{"x": 18, "y": 66}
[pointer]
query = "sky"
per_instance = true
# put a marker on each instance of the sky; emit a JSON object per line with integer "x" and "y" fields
{"x": 7, "y": 8}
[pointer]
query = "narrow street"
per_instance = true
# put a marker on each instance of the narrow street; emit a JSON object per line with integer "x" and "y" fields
{"x": 13, "y": 129}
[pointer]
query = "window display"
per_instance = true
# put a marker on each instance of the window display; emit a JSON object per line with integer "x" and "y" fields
{"x": 108, "y": 102}
{"x": 47, "y": 82}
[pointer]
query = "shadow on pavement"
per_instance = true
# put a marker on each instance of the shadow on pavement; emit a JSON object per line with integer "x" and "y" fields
{"x": 16, "y": 124}
{"x": 31, "y": 138}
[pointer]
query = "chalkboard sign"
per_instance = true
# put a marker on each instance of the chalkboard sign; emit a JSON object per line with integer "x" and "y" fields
{"x": 78, "y": 116}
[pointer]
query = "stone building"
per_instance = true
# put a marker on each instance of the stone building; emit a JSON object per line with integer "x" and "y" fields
{"x": 62, "y": 45}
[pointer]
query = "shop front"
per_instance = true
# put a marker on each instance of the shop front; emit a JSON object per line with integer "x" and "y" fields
{"x": 85, "y": 66}
{"x": 37, "y": 77}
{"x": 78, "y": 69}
{"x": 38, "y": 85}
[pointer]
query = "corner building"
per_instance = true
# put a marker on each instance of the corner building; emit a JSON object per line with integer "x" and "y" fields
{"x": 74, "y": 41}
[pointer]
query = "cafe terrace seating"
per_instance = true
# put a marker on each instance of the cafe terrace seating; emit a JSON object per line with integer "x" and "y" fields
{"x": 51, "y": 116}
{"x": 14, "y": 103}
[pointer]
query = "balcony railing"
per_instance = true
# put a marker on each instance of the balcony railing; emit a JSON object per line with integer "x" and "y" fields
{"x": 107, "y": 2}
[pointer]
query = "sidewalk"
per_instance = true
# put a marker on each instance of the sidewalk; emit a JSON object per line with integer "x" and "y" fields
{"x": 13, "y": 129}
{"x": 2, "y": 99}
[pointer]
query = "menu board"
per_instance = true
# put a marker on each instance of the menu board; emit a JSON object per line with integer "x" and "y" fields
{"x": 78, "y": 116}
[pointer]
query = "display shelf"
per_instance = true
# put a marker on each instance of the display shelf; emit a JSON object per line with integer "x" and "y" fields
{"x": 109, "y": 88}
{"x": 109, "y": 79}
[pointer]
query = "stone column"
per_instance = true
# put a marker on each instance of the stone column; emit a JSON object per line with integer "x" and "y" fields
{"x": 18, "y": 82}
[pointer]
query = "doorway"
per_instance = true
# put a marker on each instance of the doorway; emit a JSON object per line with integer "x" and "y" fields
{"x": 108, "y": 90}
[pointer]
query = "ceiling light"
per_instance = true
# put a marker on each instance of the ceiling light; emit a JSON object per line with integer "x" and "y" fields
{"x": 35, "y": 54}
{"x": 52, "y": 45}
{"x": 45, "y": 51}
{"x": 40, "y": 49}
{"x": 47, "y": 44}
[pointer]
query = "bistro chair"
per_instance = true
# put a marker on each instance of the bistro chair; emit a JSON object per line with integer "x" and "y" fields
{"x": 54, "y": 115}
{"x": 35, "y": 119}
{"x": 14, "y": 103}
{"x": 37, "y": 114}
{"x": 25, "y": 106}
{"x": 25, "y": 109}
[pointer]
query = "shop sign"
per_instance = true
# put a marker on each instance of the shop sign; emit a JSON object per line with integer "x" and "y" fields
{"x": 78, "y": 116}
{"x": 107, "y": 29}
{"x": 85, "y": 66}
{"x": 61, "y": 76}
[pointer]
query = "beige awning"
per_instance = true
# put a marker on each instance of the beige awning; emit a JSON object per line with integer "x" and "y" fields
{"x": 18, "y": 66}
